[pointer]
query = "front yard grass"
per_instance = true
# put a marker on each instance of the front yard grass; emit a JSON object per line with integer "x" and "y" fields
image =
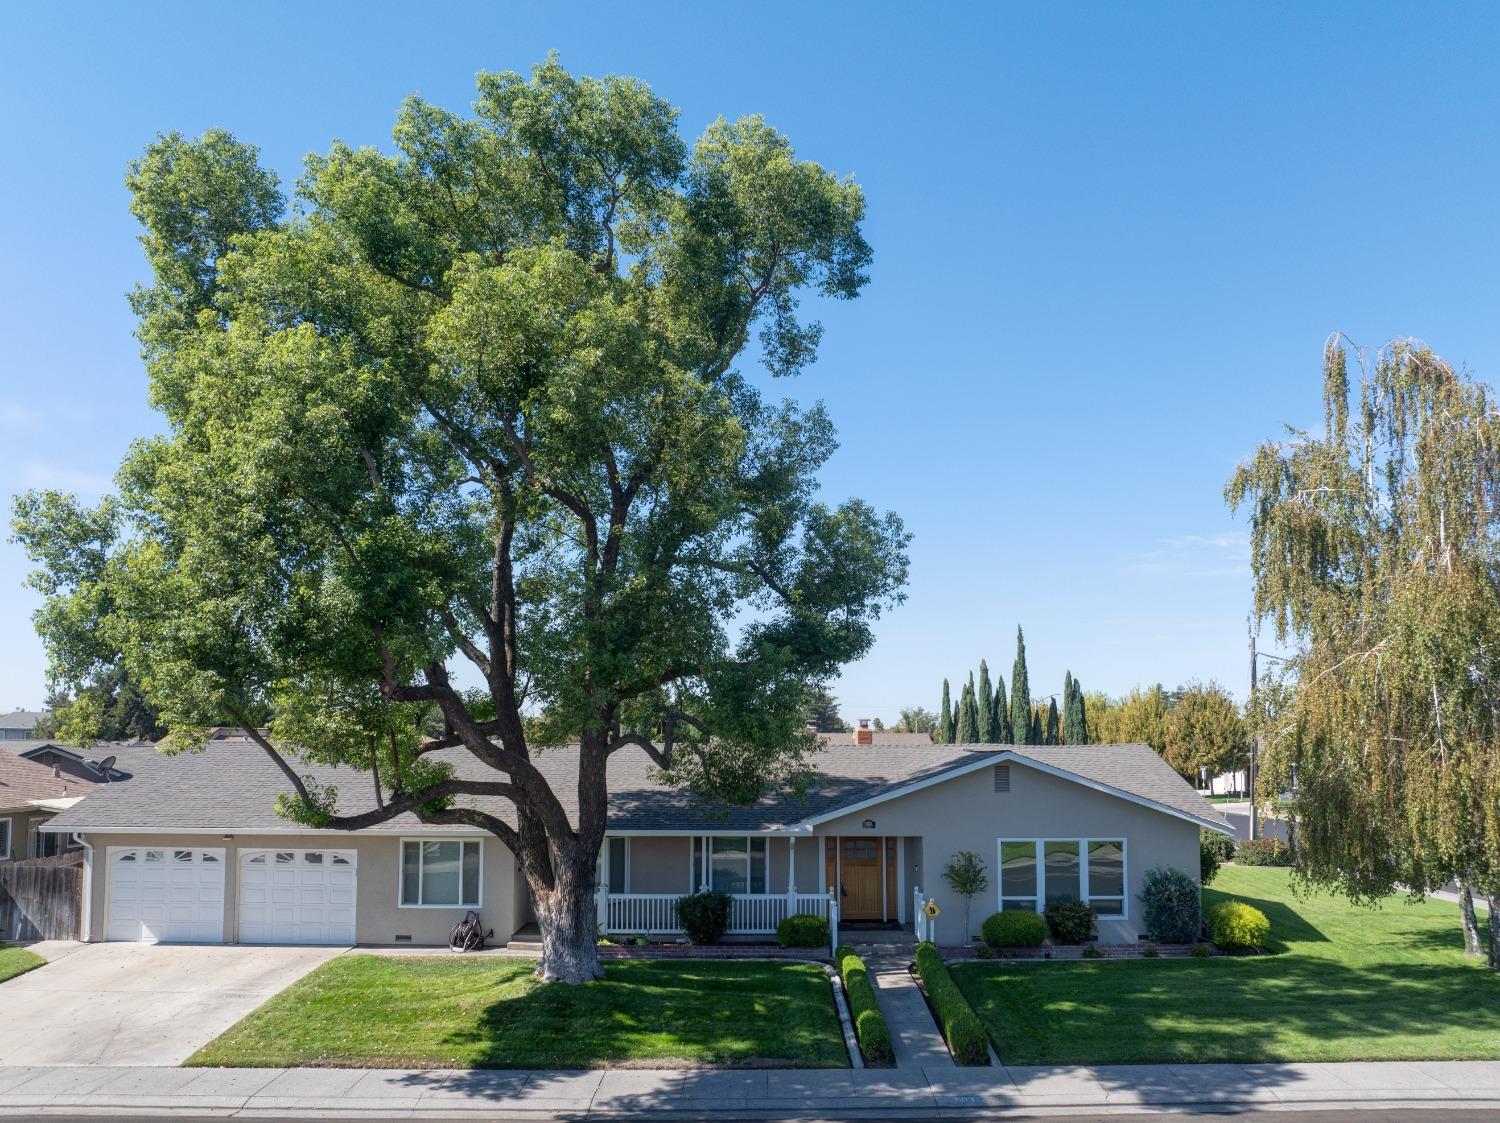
{"x": 371, "y": 1011}
{"x": 17, "y": 961}
{"x": 1346, "y": 984}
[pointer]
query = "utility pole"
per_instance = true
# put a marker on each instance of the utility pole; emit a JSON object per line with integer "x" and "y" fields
{"x": 1254, "y": 744}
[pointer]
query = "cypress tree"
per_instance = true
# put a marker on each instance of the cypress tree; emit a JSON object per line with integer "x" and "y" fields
{"x": 1002, "y": 713}
{"x": 986, "y": 700}
{"x": 945, "y": 718}
{"x": 1067, "y": 708}
{"x": 1034, "y": 736}
{"x": 1052, "y": 737}
{"x": 1020, "y": 696}
{"x": 968, "y": 717}
{"x": 1075, "y": 721}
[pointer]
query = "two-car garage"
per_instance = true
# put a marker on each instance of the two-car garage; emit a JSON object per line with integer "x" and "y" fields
{"x": 177, "y": 894}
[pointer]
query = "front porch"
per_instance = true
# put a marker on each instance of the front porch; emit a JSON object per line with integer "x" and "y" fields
{"x": 856, "y": 881}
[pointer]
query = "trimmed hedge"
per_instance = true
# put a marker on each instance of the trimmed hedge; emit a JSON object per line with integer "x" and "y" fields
{"x": 961, "y": 1027}
{"x": 803, "y": 930}
{"x": 1020, "y": 928}
{"x": 1236, "y": 926}
{"x": 1263, "y": 852}
{"x": 1220, "y": 845}
{"x": 870, "y": 1030}
{"x": 1071, "y": 922}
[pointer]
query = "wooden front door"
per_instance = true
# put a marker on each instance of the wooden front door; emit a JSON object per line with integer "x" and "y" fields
{"x": 861, "y": 889}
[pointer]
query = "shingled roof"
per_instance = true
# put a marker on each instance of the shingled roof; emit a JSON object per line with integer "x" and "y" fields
{"x": 24, "y": 782}
{"x": 232, "y": 786}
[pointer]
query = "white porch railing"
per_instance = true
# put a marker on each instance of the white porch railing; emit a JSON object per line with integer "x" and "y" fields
{"x": 655, "y": 914}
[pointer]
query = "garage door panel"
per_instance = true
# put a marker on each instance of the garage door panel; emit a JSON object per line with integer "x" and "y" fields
{"x": 297, "y": 896}
{"x": 165, "y": 895}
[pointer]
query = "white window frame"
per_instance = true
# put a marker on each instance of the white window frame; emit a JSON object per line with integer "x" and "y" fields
{"x": 1084, "y": 893}
{"x": 421, "y": 876}
{"x": 609, "y": 841}
{"x": 706, "y": 873}
{"x": 10, "y": 831}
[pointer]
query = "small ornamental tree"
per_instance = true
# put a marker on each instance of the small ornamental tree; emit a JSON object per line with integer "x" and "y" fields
{"x": 966, "y": 875}
{"x": 477, "y": 401}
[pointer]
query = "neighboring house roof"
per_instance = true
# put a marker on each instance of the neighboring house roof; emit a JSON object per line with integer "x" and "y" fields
{"x": 21, "y": 719}
{"x": 881, "y": 737}
{"x": 232, "y": 786}
{"x": 26, "y": 783}
{"x": 83, "y": 763}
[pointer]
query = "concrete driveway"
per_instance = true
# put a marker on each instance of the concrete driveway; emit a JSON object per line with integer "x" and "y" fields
{"x": 140, "y": 1004}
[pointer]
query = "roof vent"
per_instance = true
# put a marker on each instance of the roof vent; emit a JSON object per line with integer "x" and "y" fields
{"x": 1002, "y": 777}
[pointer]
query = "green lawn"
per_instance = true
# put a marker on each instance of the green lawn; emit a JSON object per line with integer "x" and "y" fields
{"x": 1346, "y": 984}
{"x": 17, "y": 961}
{"x": 429, "y": 1012}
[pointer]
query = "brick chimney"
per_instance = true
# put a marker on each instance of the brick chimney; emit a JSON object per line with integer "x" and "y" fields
{"x": 863, "y": 734}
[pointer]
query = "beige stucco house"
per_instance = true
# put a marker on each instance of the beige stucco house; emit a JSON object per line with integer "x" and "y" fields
{"x": 191, "y": 848}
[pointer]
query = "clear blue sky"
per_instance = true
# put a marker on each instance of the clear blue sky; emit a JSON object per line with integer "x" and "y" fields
{"x": 1110, "y": 240}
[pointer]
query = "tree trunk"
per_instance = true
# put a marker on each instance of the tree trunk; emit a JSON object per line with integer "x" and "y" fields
{"x": 1473, "y": 945}
{"x": 1494, "y": 927}
{"x": 567, "y": 916}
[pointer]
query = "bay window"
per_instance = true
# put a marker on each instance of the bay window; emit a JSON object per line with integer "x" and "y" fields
{"x": 1036, "y": 872}
{"x": 442, "y": 873}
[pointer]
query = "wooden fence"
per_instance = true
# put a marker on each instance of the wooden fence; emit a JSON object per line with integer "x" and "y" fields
{"x": 41, "y": 898}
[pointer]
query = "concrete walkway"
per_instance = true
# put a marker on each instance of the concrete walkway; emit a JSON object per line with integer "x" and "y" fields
{"x": 869, "y": 1093}
{"x": 918, "y": 1042}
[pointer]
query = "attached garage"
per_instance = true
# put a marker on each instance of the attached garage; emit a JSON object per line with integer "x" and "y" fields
{"x": 165, "y": 894}
{"x": 297, "y": 896}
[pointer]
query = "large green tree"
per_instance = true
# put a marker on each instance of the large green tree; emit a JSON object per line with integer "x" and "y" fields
{"x": 476, "y": 401}
{"x": 1204, "y": 730}
{"x": 945, "y": 717}
{"x": 1375, "y": 551}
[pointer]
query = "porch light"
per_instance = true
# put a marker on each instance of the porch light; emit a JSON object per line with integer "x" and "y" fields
{"x": 868, "y": 824}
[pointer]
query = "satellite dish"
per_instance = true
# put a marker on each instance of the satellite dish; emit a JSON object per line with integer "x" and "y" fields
{"x": 106, "y": 765}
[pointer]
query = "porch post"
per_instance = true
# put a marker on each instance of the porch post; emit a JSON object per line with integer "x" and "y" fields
{"x": 601, "y": 904}
{"x": 833, "y": 918}
{"x": 791, "y": 875}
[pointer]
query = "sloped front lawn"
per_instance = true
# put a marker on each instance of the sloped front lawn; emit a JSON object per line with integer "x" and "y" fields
{"x": 1346, "y": 984}
{"x": 17, "y": 961}
{"x": 430, "y": 1012}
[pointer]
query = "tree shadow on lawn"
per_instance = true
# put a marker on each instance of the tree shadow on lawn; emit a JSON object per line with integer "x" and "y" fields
{"x": 1282, "y": 1008}
{"x": 666, "y": 1014}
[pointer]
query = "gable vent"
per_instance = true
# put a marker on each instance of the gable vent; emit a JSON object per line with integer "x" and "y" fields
{"x": 1002, "y": 777}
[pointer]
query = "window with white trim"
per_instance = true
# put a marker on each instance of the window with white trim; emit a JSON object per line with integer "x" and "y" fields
{"x": 439, "y": 873}
{"x": 736, "y": 863}
{"x": 1035, "y": 872}
{"x": 4, "y": 838}
{"x": 617, "y": 859}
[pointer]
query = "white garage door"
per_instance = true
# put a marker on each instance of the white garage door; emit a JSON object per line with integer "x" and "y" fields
{"x": 166, "y": 894}
{"x": 297, "y": 896}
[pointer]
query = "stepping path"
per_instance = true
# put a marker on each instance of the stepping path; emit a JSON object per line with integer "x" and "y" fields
{"x": 916, "y": 1038}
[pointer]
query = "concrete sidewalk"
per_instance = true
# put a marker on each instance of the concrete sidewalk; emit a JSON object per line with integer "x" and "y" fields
{"x": 868, "y": 1093}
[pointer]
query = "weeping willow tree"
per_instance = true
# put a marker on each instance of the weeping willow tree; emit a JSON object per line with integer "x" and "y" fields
{"x": 1375, "y": 551}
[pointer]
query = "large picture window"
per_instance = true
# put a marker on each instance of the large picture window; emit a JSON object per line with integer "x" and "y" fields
{"x": 442, "y": 873}
{"x": 736, "y": 864}
{"x": 619, "y": 863}
{"x": 1035, "y": 872}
